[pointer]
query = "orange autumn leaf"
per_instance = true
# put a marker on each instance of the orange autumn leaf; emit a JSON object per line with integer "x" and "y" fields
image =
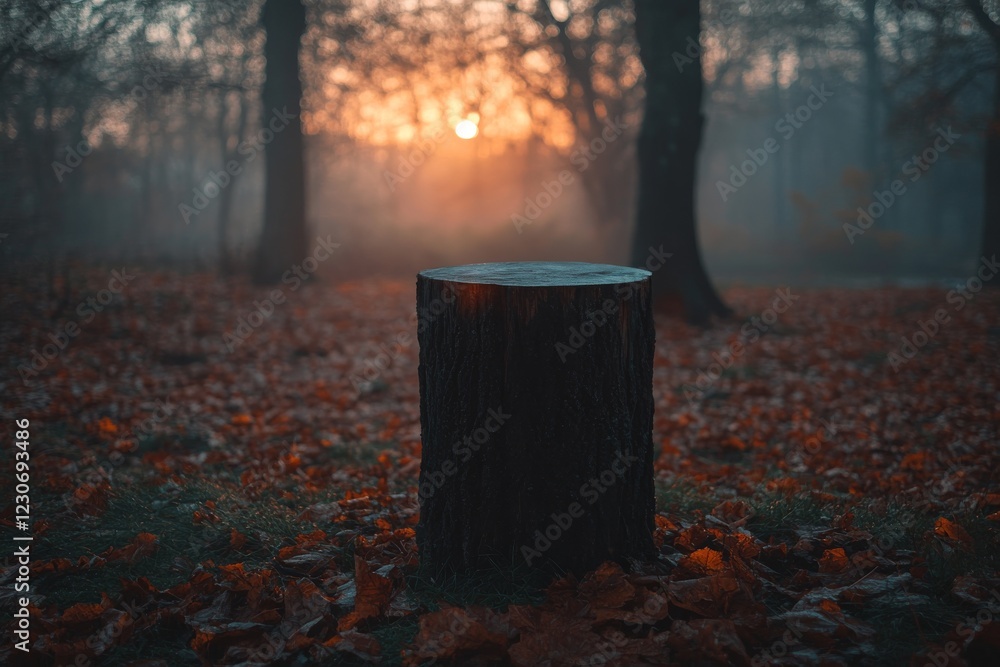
{"x": 829, "y": 606}
{"x": 607, "y": 587}
{"x": 731, "y": 511}
{"x": 203, "y": 517}
{"x": 691, "y": 538}
{"x": 706, "y": 595}
{"x": 732, "y": 442}
{"x": 914, "y": 461}
{"x": 91, "y": 499}
{"x": 446, "y": 633}
{"x": 834, "y": 560}
{"x": 374, "y": 592}
{"x": 703, "y": 561}
{"x": 143, "y": 545}
{"x": 242, "y": 420}
{"x": 81, "y": 613}
{"x": 952, "y": 531}
{"x": 105, "y": 425}
{"x": 348, "y": 621}
{"x": 201, "y": 641}
{"x": 665, "y": 524}
{"x": 742, "y": 545}
{"x": 786, "y": 485}
{"x": 52, "y": 565}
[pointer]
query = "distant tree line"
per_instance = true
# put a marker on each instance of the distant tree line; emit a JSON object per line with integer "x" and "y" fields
{"x": 115, "y": 116}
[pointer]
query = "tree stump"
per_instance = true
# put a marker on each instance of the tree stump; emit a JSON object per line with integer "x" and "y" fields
{"x": 536, "y": 416}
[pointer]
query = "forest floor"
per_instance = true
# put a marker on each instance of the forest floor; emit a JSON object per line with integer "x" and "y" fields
{"x": 204, "y": 498}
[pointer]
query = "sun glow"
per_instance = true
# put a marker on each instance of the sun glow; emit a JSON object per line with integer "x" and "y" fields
{"x": 466, "y": 129}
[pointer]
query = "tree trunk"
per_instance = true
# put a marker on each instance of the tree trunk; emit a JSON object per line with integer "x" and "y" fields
{"x": 781, "y": 229}
{"x": 872, "y": 136}
{"x": 536, "y": 414}
{"x": 991, "y": 205}
{"x": 226, "y": 263}
{"x": 226, "y": 195}
{"x": 668, "y": 152}
{"x": 283, "y": 239}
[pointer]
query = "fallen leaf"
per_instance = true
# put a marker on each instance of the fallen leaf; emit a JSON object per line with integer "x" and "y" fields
{"x": 834, "y": 561}
{"x": 703, "y": 561}
{"x": 952, "y": 532}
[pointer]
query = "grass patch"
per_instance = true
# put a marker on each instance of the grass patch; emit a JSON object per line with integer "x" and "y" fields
{"x": 895, "y": 525}
{"x": 357, "y": 453}
{"x": 155, "y": 643}
{"x": 683, "y": 498}
{"x": 496, "y": 588}
{"x": 905, "y": 626}
{"x": 780, "y": 515}
{"x": 393, "y": 638}
{"x": 167, "y": 511}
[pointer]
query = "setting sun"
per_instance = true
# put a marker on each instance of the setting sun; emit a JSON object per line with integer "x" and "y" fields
{"x": 466, "y": 129}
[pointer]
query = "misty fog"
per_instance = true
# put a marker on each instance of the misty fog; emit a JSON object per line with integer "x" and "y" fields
{"x": 109, "y": 136}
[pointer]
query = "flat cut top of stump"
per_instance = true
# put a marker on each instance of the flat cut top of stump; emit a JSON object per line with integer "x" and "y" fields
{"x": 538, "y": 274}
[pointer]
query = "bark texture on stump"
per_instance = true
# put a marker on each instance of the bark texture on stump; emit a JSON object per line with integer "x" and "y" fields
{"x": 536, "y": 413}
